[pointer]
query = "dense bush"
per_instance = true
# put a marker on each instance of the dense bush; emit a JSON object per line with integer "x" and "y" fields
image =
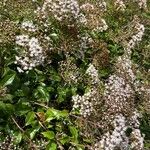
{"x": 74, "y": 74}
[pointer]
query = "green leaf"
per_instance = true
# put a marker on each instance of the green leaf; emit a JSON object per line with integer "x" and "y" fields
{"x": 55, "y": 114}
{"x": 42, "y": 93}
{"x": 49, "y": 115}
{"x": 65, "y": 139}
{"x": 30, "y": 118}
{"x": 32, "y": 134}
{"x": 18, "y": 137}
{"x": 49, "y": 135}
{"x": 6, "y": 108}
{"x": 22, "y": 107}
{"x": 7, "y": 80}
{"x": 64, "y": 113}
{"x": 9, "y": 108}
{"x": 2, "y": 108}
{"x": 51, "y": 146}
{"x": 74, "y": 133}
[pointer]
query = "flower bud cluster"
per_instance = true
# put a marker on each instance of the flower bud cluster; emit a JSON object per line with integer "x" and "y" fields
{"x": 118, "y": 139}
{"x": 133, "y": 120}
{"x": 93, "y": 73}
{"x": 137, "y": 141}
{"x": 142, "y": 3}
{"x": 22, "y": 40}
{"x": 125, "y": 68}
{"x": 103, "y": 26}
{"x": 40, "y": 144}
{"x": 62, "y": 9}
{"x": 33, "y": 55}
{"x": 93, "y": 15}
{"x": 135, "y": 38}
{"x": 103, "y": 6}
{"x": 28, "y": 26}
{"x": 84, "y": 41}
{"x": 119, "y": 4}
{"x": 8, "y": 143}
{"x": 85, "y": 103}
{"x": 69, "y": 71}
{"x": 118, "y": 95}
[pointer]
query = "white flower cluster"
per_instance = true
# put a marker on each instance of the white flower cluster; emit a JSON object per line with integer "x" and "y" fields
{"x": 62, "y": 9}
{"x": 116, "y": 139}
{"x": 87, "y": 7}
{"x": 33, "y": 55}
{"x": 29, "y": 26}
{"x": 85, "y": 103}
{"x": 40, "y": 143}
{"x": 136, "y": 137}
{"x": 124, "y": 65}
{"x": 82, "y": 19}
{"x": 22, "y": 40}
{"x": 120, "y": 5}
{"x": 118, "y": 95}
{"x": 142, "y": 3}
{"x": 84, "y": 42}
{"x": 103, "y": 6}
{"x": 133, "y": 121}
{"x": 92, "y": 15}
{"x": 103, "y": 26}
{"x": 135, "y": 38}
{"x": 137, "y": 140}
{"x": 69, "y": 71}
{"x": 93, "y": 73}
{"x": 8, "y": 144}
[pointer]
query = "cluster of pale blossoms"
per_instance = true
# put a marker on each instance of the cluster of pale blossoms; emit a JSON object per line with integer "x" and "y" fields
{"x": 85, "y": 103}
{"x": 8, "y": 143}
{"x": 92, "y": 72}
{"x": 136, "y": 138}
{"x": 103, "y": 6}
{"x": 118, "y": 95}
{"x": 103, "y": 26}
{"x": 84, "y": 42}
{"x": 69, "y": 71}
{"x": 88, "y": 101}
{"x": 119, "y": 99}
{"x": 119, "y": 4}
{"x": 118, "y": 137}
{"x": 62, "y": 9}
{"x": 70, "y": 10}
{"x": 142, "y": 3}
{"x": 33, "y": 54}
{"x": 28, "y": 26}
{"x": 124, "y": 68}
{"x": 135, "y": 38}
{"x": 94, "y": 21}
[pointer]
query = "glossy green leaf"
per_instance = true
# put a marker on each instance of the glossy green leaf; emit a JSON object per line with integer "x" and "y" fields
{"x": 65, "y": 139}
{"x": 7, "y": 80}
{"x": 74, "y": 133}
{"x": 49, "y": 135}
{"x": 18, "y": 137}
{"x": 51, "y": 146}
{"x": 30, "y": 118}
{"x": 34, "y": 131}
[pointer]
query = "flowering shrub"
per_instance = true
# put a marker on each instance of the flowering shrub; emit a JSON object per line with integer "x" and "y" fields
{"x": 74, "y": 75}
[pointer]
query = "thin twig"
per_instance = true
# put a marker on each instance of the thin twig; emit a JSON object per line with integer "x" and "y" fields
{"x": 42, "y": 105}
{"x": 33, "y": 145}
{"x": 17, "y": 124}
